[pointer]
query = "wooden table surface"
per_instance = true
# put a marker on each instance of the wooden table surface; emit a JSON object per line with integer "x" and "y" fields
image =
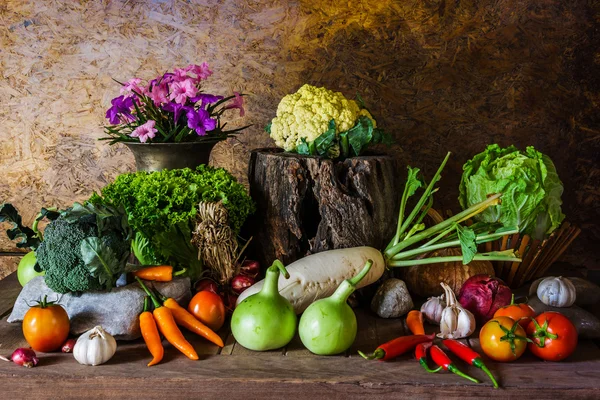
{"x": 291, "y": 372}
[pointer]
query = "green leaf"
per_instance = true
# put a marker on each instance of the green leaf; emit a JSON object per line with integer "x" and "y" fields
{"x": 25, "y": 236}
{"x": 101, "y": 261}
{"x": 360, "y": 101}
{"x": 325, "y": 141}
{"x": 361, "y": 135}
{"x": 176, "y": 244}
{"x": 467, "y": 243}
{"x": 303, "y": 148}
{"x": 268, "y": 128}
{"x": 142, "y": 250}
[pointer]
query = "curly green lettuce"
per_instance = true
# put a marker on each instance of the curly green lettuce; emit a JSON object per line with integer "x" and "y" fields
{"x": 162, "y": 207}
{"x": 530, "y": 185}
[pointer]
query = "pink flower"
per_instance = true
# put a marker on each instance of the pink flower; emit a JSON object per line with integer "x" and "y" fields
{"x": 145, "y": 131}
{"x": 158, "y": 93}
{"x": 180, "y": 74}
{"x": 131, "y": 86}
{"x": 180, "y": 91}
{"x": 237, "y": 102}
{"x": 202, "y": 71}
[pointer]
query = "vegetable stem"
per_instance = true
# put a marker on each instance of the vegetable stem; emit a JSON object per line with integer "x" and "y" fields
{"x": 473, "y": 210}
{"x": 354, "y": 281}
{"x": 508, "y": 255}
{"x": 427, "y": 248}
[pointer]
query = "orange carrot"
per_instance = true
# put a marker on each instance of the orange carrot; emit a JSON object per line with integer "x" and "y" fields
{"x": 159, "y": 273}
{"x": 151, "y": 335}
{"x": 414, "y": 320}
{"x": 188, "y": 321}
{"x": 168, "y": 327}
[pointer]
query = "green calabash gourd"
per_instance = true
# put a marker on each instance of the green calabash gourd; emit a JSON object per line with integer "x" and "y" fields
{"x": 328, "y": 326}
{"x": 265, "y": 320}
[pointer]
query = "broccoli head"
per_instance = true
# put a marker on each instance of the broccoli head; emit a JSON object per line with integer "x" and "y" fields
{"x": 60, "y": 253}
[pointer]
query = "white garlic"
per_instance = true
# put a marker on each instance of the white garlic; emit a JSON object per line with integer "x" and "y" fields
{"x": 455, "y": 322}
{"x": 432, "y": 309}
{"x": 94, "y": 347}
{"x": 556, "y": 292}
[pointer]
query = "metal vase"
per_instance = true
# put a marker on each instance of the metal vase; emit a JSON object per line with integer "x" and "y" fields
{"x": 152, "y": 157}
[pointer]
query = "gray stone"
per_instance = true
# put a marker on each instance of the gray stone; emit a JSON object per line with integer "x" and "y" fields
{"x": 116, "y": 311}
{"x": 392, "y": 299}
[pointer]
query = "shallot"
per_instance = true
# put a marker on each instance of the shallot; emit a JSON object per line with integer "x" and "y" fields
{"x": 239, "y": 283}
{"x": 23, "y": 356}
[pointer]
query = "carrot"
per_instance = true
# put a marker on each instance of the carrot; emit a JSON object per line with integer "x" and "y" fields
{"x": 159, "y": 273}
{"x": 414, "y": 320}
{"x": 151, "y": 335}
{"x": 188, "y": 321}
{"x": 168, "y": 327}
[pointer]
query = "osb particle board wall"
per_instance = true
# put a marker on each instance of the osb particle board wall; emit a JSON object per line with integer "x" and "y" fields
{"x": 440, "y": 75}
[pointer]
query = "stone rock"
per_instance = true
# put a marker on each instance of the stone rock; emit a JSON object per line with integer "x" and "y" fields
{"x": 116, "y": 311}
{"x": 392, "y": 299}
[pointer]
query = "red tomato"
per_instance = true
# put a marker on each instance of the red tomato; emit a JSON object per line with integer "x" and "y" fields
{"x": 208, "y": 307}
{"x": 46, "y": 326}
{"x": 554, "y": 336}
{"x": 502, "y": 339}
{"x": 517, "y": 312}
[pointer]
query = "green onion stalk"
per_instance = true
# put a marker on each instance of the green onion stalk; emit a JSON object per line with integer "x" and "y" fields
{"x": 412, "y": 239}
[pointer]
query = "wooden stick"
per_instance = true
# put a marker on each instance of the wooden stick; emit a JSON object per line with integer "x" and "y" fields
{"x": 515, "y": 265}
{"x": 553, "y": 241}
{"x": 575, "y": 231}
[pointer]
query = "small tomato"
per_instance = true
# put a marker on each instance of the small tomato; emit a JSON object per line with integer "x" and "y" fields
{"x": 521, "y": 313}
{"x": 553, "y": 335}
{"x": 208, "y": 307}
{"x": 46, "y": 326}
{"x": 503, "y": 339}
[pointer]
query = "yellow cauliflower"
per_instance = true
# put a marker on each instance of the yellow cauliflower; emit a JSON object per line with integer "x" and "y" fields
{"x": 306, "y": 115}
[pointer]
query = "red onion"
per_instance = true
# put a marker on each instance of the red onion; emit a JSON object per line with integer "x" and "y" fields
{"x": 250, "y": 268}
{"x": 239, "y": 283}
{"x": 483, "y": 295}
{"x": 206, "y": 284}
{"x": 24, "y": 357}
{"x": 68, "y": 346}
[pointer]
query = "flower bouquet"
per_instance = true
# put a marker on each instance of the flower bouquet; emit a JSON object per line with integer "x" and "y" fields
{"x": 172, "y": 108}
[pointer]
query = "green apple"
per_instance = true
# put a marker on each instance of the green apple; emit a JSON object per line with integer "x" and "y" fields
{"x": 26, "y": 270}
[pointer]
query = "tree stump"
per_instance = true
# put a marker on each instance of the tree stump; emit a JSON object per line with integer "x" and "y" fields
{"x": 309, "y": 204}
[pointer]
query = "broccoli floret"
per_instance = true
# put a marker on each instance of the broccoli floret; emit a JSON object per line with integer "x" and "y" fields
{"x": 60, "y": 252}
{"x": 60, "y": 256}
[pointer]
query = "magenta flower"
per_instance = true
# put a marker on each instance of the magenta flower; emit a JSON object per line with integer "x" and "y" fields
{"x": 145, "y": 131}
{"x": 202, "y": 71}
{"x": 181, "y": 91}
{"x": 120, "y": 110}
{"x": 206, "y": 99}
{"x": 200, "y": 121}
{"x": 131, "y": 86}
{"x": 179, "y": 74}
{"x": 237, "y": 102}
{"x": 176, "y": 109}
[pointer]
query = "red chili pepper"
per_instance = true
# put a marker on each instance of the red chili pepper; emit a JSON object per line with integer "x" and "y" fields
{"x": 421, "y": 356}
{"x": 468, "y": 355}
{"x": 441, "y": 359}
{"x": 398, "y": 346}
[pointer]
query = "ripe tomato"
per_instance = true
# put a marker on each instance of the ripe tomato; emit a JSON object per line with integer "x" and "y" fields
{"x": 554, "y": 336}
{"x": 208, "y": 307}
{"x": 46, "y": 326}
{"x": 502, "y": 339}
{"x": 517, "y": 312}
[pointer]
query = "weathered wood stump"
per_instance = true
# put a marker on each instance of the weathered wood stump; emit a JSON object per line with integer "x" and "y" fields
{"x": 308, "y": 204}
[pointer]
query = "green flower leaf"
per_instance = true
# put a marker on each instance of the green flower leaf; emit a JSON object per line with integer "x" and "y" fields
{"x": 361, "y": 135}
{"x": 100, "y": 260}
{"x": 25, "y": 236}
{"x": 467, "y": 243}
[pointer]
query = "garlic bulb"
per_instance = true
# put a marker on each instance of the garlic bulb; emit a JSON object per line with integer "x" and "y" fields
{"x": 432, "y": 309}
{"x": 94, "y": 347}
{"x": 556, "y": 292}
{"x": 455, "y": 322}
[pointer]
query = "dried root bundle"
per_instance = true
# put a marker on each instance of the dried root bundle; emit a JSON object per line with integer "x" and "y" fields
{"x": 216, "y": 241}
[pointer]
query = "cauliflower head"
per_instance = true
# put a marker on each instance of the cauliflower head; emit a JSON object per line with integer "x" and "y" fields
{"x": 306, "y": 115}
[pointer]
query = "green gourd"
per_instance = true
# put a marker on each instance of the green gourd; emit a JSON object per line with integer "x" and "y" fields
{"x": 328, "y": 326}
{"x": 265, "y": 320}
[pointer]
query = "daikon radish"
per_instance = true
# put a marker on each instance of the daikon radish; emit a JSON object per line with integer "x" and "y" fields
{"x": 318, "y": 275}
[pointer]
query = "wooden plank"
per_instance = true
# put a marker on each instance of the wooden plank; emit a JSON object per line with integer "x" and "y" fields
{"x": 366, "y": 337}
{"x": 8, "y": 264}
{"x": 9, "y": 290}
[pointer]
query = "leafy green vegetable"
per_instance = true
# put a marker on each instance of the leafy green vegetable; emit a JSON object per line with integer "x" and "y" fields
{"x": 530, "y": 185}
{"x": 140, "y": 246}
{"x": 25, "y": 236}
{"x": 468, "y": 245}
{"x": 85, "y": 248}
{"x": 162, "y": 207}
